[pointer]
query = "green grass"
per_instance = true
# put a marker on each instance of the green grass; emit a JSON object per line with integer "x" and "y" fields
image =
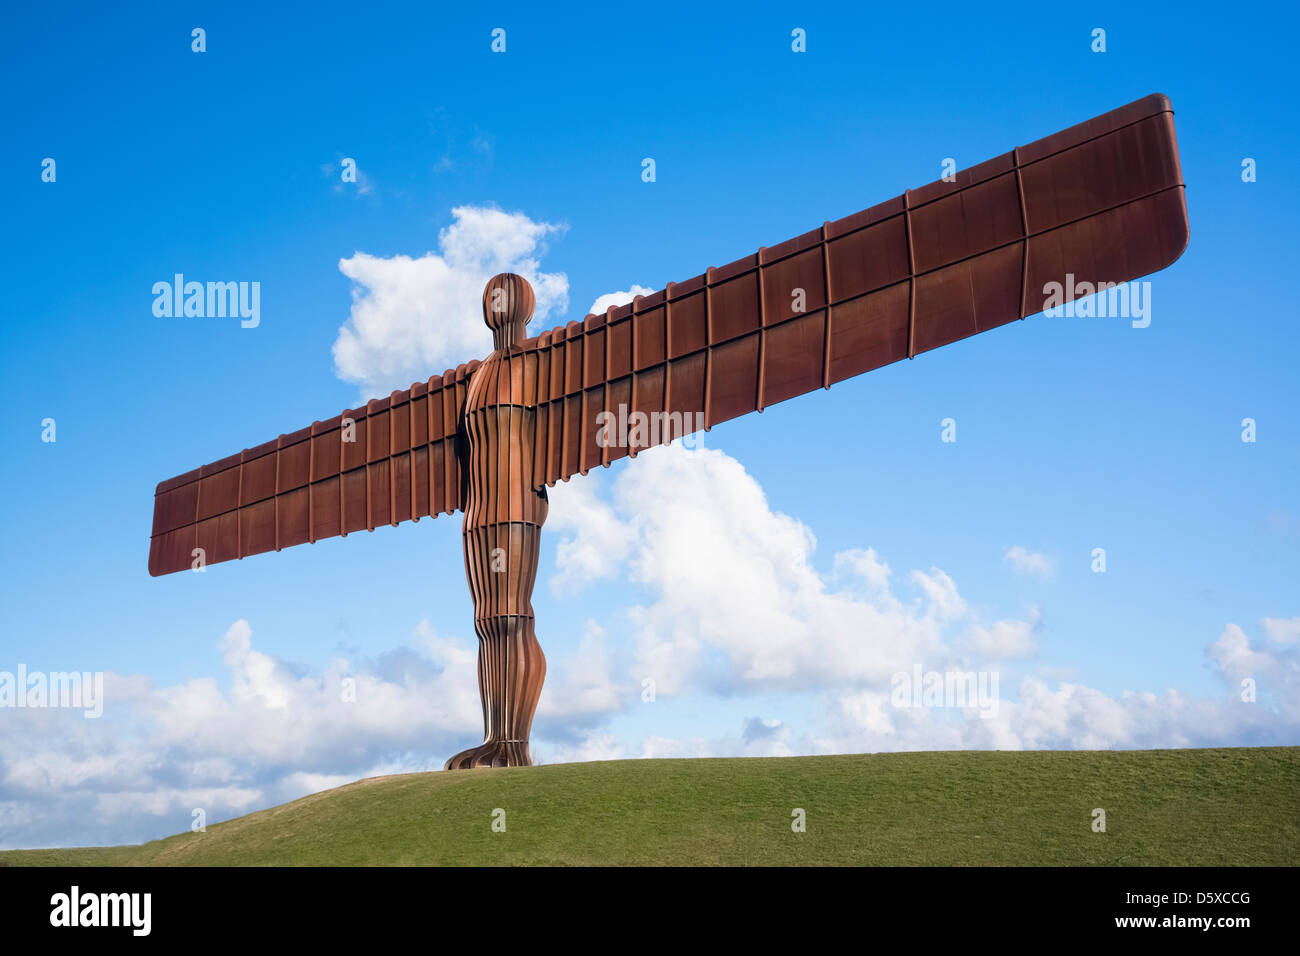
{"x": 1179, "y": 807}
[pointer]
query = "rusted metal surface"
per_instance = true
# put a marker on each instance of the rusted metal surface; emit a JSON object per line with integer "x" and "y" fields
{"x": 1102, "y": 201}
{"x": 391, "y": 461}
{"x": 503, "y": 526}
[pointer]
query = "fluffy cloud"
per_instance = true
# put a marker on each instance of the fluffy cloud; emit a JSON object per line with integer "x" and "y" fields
{"x": 412, "y": 318}
{"x": 582, "y": 688}
{"x": 1067, "y": 715}
{"x": 1282, "y": 631}
{"x": 592, "y": 746}
{"x": 1005, "y": 639}
{"x": 738, "y": 603}
{"x": 594, "y": 541}
{"x": 737, "y": 607}
{"x": 278, "y": 733}
{"x": 157, "y": 753}
{"x": 1030, "y": 562}
{"x": 617, "y": 298}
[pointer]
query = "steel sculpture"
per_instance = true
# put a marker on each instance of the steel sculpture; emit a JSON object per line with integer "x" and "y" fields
{"x": 1102, "y": 201}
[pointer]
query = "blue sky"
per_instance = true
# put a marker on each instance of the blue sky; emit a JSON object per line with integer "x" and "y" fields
{"x": 1072, "y": 433}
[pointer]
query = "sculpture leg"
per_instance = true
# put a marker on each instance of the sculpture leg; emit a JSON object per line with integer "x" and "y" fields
{"x": 501, "y": 564}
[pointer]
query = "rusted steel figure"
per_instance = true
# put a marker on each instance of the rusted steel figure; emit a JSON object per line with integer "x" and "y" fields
{"x": 1101, "y": 202}
{"x": 503, "y": 525}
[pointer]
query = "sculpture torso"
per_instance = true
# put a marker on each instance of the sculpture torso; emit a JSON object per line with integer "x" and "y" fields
{"x": 499, "y": 431}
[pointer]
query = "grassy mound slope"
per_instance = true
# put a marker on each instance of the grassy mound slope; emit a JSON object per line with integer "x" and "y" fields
{"x": 1181, "y": 807}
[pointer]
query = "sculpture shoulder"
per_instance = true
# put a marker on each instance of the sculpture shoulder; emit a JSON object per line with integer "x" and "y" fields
{"x": 501, "y": 379}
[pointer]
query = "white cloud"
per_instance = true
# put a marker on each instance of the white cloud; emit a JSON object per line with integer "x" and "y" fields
{"x": 1005, "y": 639}
{"x": 1042, "y": 716}
{"x": 157, "y": 753}
{"x": 758, "y": 737}
{"x": 945, "y": 602}
{"x": 1273, "y": 668}
{"x": 617, "y": 298}
{"x": 594, "y": 540}
{"x": 1281, "y": 630}
{"x": 867, "y": 565}
{"x": 655, "y": 748}
{"x": 413, "y": 318}
{"x": 1029, "y": 562}
{"x": 737, "y": 608}
{"x": 584, "y": 686}
{"x": 593, "y": 746}
{"x": 737, "y": 601}
{"x": 1067, "y": 716}
{"x": 764, "y": 737}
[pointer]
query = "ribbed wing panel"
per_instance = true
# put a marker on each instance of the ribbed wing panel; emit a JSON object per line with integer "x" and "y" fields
{"x": 394, "y": 460}
{"x": 1101, "y": 202}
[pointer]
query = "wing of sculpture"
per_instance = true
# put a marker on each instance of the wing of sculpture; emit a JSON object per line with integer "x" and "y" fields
{"x": 394, "y": 460}
{"x": 1102, "y": 201}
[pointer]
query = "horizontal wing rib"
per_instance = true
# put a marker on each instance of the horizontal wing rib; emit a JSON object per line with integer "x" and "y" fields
{"x": 1103, "y": 201}
{"x": 396, "y": 460}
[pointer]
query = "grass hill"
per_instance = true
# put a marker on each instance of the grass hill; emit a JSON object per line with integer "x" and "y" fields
{"x": 1179, "y": 807}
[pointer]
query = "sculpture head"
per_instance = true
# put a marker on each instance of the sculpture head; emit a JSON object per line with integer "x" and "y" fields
{"x": 507, "y": 306}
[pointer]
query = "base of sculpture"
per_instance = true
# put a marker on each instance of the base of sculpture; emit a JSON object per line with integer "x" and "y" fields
{"x": 494, "y": 753}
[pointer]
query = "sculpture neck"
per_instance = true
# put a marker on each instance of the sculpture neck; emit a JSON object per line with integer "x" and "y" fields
{"x": 512, "y": 336}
